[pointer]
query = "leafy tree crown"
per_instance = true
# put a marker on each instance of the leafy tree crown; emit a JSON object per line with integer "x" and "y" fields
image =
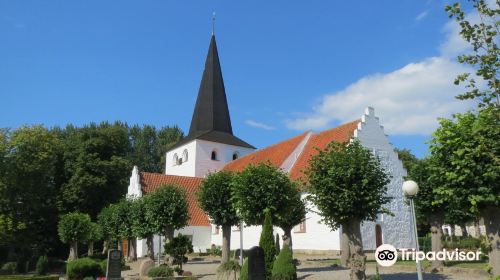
{"x": 347, "y": 182}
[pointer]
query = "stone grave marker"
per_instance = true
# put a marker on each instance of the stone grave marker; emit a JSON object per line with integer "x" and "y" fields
{"x": 114, "y": 267}
{"x": 256, "y": 264}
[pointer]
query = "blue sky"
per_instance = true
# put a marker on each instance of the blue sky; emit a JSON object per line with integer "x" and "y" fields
{"x": 288, "y": 66}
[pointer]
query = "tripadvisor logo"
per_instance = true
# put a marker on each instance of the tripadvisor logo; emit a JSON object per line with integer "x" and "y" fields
{"x": 387, "y": 255}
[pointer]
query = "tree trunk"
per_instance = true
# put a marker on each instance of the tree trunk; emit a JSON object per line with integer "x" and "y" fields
{"x": 287, "y": 238}
{"x": 90, "y": 251}
{"x": 169, "y": 235}
{"x": 436, "y": 221}
{"x": 357, "y": 258}
{"x": 132, "y": 250}
{"x": 477, "y": 231}
{"x": 73, "y": 251}
{"x": 344, "y": 248}
{"x": 105, "y": 247}
{"x": 491, "y": 217}
{"x": 226, "y": 243}
{"x": 151, "y": 248}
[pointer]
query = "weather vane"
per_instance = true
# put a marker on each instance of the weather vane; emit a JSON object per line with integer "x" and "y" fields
{"x": 213, "y": 23}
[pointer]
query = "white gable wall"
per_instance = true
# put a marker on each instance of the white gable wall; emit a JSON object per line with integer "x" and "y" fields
{"x": 397, "y": 229}
{"x": 186, "y": 168}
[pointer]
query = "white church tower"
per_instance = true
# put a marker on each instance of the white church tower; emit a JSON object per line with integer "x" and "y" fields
{"x": 210, "y": 143}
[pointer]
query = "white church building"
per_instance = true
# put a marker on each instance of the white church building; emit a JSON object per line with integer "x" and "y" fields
{"x": 211, "y": 146}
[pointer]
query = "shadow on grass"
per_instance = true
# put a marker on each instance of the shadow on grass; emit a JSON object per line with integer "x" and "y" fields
{"x": 321, "y": 269}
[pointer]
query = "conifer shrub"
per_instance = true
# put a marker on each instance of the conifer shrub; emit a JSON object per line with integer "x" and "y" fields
{"x": 284, "y": 268}
{"x": 81, "y": 268}
{"x": 42, "y": 265}
{"x": 244, "y": 270}
{"x": 267, "y": 243}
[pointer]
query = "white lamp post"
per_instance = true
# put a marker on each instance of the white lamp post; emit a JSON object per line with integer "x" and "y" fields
{"x": 410, "y": 189}
{"x": 241, "y": 243}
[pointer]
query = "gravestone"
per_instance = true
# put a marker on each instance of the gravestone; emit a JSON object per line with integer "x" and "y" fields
{"x": 114, "y": 267}
{"x": 256, "y": 264}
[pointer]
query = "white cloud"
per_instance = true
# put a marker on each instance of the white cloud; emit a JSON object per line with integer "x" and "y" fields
{"x": 421, "y": 16}
{"x": 408, "y": 100}
{"x": 255, "y": 124}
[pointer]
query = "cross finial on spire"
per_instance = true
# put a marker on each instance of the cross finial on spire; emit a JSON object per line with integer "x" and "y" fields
{"x": 213, "y": 23}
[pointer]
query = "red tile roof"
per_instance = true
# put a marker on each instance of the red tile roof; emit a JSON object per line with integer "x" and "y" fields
{"x": 275, "y": 154}
{"x": 342, "y": 133}
{"x": 151, "y": 181}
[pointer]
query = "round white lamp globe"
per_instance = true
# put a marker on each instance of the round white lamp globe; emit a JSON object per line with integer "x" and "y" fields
{"x": 410, "y": 188}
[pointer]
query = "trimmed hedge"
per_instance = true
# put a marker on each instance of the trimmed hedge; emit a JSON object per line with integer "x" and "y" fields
{"x": 161, "y": 271}
{"x": 81, "y": 268}
{"x": 283, "y": 268}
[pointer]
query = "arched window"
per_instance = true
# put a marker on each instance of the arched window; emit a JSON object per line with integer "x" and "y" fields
{"x": 185, "y": 156}
{"x": 214, "y": 155}
{"x": 175, "y": 160}
{"x": 236, "y": 155}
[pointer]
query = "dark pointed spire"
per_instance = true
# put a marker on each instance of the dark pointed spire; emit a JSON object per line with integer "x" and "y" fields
{"x": 211, "y": 111}
{"x": 211, "y": 120}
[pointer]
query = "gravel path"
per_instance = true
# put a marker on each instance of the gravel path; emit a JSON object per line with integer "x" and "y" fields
{"x": 318, "y": 271}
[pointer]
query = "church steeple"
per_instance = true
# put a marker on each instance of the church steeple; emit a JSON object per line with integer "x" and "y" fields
{"x": 211, "y": 112}
{"x": 211, "y": 120}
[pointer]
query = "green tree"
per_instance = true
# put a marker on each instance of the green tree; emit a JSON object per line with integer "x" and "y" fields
{"x": 260, "y": 187}
{"x": 465, "y": 153}
{"x": 178, "y": 247}
{"x": 142, "y": 227}
{"x": 267, "y": 244}
{"x": 27, "y": 159}
{"x": 214, "y": 198}
{"x": 149, "y": 146}
{"x": 95, "y": 166}
{"x": 348, "y": 185}
{"x": 95, "y": 234}
{"x": 167, "y": 210}
{"x": 73, "y": 228}
{"x": 483, "y": 37}
{"x": 109, "y": 226}
{"x": 126, "y": 215}
{"x": 293, "y": 213}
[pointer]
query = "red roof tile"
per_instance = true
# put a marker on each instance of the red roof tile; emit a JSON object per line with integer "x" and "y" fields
{"x": 342, "y": 133}
{"x": 151, "y": 181}
{"x": 275, "y": 154}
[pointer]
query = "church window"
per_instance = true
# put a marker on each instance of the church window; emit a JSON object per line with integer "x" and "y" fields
{"x": 216, "y": 230}
{"x": 214, "y": 155}
{"x": 300, "y": 228}
{"x": 185, "y": 156}
{"x": 176, "y": 160}
{"x": 235, "y": 155}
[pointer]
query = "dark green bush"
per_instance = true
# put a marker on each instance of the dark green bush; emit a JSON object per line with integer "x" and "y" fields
{"x": 267, "y": 244}
{"x": 161, "y": 271}
{"x": 283, "y": 268}
{"x": 89, "y": 278}
{"x": 244, "y": 270}
{"x": 10, "y": 267}
{"x": 104, "y": 265}
{"x": 42, "y": 265}
{"x": 81, "y": 268}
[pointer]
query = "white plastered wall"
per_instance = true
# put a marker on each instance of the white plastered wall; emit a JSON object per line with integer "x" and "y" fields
{"x": 397, "y": 229}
